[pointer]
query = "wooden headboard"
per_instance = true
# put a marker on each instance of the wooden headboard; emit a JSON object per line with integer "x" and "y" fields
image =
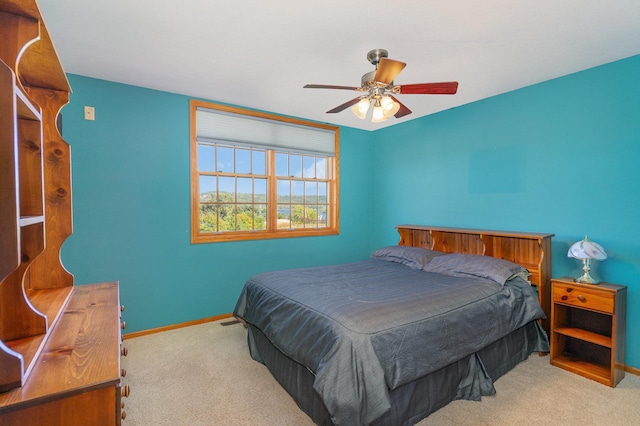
{"x": 531, "y": 250}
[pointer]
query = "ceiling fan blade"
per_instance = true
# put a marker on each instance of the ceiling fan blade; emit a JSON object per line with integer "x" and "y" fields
{"x": 344, "y": 106}
{"x": 403, "y": 109}
{"x": 326, "y": 86}
{"x": 446, "y": 88}
{"x": 388, "y": 70}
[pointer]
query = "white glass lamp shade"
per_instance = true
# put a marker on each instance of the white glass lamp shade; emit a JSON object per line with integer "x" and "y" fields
{"x": 389, "y": 106}
{"x": 361, "y": 108}
{"x": 586, "y": 251}
{"x": 378, "y": 113}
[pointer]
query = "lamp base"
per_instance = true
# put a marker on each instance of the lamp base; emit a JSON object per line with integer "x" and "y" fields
{"x": 587, "y": 278}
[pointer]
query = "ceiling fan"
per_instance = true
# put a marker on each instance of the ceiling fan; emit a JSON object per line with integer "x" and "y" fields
{"x": 380, "y": 90}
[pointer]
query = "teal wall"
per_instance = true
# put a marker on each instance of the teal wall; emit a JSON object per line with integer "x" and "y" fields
{"x": 130, "y": 173}
{"x": 559, "y": 157}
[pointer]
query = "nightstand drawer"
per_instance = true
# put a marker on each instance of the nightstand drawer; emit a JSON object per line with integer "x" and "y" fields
{"x": 585, "y": 298}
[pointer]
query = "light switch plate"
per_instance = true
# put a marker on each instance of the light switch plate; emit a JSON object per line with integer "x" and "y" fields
{"x": 89, "y": 113}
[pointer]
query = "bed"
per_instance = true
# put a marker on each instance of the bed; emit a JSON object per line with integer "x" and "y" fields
{"x": 391, "y": 339}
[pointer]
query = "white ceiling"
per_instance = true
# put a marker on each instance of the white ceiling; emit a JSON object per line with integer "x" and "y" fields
{"x": 259, "y": 53}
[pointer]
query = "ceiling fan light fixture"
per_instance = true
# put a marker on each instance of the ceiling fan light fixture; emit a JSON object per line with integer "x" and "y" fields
{"x": 389, "y": 106}
{"x": 379, "y": 88}
{"x": 378, "y": 113}
{"x": 361, "y": 108}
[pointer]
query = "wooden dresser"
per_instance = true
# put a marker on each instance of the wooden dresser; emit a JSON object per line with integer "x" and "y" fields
{"x": 60, "y": 344}
{"x": 76, "y": 378}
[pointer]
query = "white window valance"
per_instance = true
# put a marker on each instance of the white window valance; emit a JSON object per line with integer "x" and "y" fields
{"x": 214, "y": 126}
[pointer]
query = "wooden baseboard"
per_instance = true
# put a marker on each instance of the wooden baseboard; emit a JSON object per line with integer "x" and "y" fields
{"x": 632, "y": 370}
{"x": 175, "y": 326}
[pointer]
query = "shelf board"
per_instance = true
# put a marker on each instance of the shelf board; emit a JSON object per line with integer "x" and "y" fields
{"x": 30, "y": 220}
{"x": 50, "y": 302}
{"x": 587, "y": 336}
{"x": 26, "y": 110}
{"x": 39, "y": 65}
{"x": 599, "y": 373}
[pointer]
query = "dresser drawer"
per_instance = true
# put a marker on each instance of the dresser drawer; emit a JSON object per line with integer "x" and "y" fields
{"x": 585, "y": 298}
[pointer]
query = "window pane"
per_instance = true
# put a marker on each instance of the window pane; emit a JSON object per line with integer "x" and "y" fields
{"x": 206, "y": 158}
{"x": 244, "y": 217}
{"x": 284, "y": 191}
{"x": 282, "y": 164}
{"x": 297, "y": 216}
{"x": 225, "y": 159}
{"x": 322, "y": 192}
{"x": 311, "y": 217}
{"x": 245, "y": 190}
{"x": 309, "y": 167}
{"x": 321, "y": 168}
{"x": 260, "y": 190}
{"x": 323, "y": 217}
{"x": 297, "y": 191}
{"x": 227, "y": 189}
{"x": 259, "y": 163}
{"x": 207, "y": 189}
{"x": 295, "y": 165}
{"x": 260, "y": 216}
{"x": 226, "y": 217}
{"x": 284, "y": 216}
{"x": 208, "y": 218}
{"x": 243, "y": 161}
{"x": 311, "y": 192}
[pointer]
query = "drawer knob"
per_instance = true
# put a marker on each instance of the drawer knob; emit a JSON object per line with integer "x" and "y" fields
{"x": 121, "y": 308}
{"x": 123, "y": 325}
{"x": 582, "y": 298}
{"x": 124, "y": 351}
{"x": 123, "y": 372}
{"x": 125, "y": 391}
{"x": 564, "y": 297}
{"x": 124, "y": 415}
{"x": 569, "y": 289}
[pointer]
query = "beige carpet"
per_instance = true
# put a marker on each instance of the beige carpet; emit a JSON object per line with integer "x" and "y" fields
{"x": 203, "y": 375}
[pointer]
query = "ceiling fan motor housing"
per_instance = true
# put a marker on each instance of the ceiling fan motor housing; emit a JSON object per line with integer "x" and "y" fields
{"x": 367, "y": 79}
{"x": 375, "y": 55}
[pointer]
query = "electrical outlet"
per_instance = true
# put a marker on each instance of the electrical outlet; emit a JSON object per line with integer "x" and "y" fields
{"x": 89, "y": 113}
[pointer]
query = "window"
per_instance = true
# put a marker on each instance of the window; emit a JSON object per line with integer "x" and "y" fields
{"x": 256, "y": 175}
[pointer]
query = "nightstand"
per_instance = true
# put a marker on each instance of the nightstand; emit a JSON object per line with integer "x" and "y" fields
{"x": 588, "y": 326}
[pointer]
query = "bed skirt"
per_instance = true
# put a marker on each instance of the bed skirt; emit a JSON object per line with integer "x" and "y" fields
{"x": 468, "y": 378}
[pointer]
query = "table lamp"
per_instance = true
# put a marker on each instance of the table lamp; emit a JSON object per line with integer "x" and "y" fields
{"x": 586, "y": 250}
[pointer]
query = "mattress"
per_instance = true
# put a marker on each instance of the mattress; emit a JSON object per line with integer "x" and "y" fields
{"x": 365, "y": 329}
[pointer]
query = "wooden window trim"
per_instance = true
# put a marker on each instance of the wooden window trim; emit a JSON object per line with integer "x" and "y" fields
{"x": 272, "y": 232}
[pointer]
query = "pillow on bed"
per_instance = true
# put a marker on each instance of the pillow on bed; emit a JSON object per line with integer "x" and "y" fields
{"x": 413, "y": 257}
{"x": 461, "y": 265}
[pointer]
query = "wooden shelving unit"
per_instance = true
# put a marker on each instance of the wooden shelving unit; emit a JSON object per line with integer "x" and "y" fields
{"x": 60, "y": 344}
{"x": 588, "y": 329}
{"x": 34, "y": 286}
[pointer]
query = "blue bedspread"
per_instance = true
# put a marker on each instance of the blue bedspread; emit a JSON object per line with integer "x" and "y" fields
{"x": 367, "y": 327}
